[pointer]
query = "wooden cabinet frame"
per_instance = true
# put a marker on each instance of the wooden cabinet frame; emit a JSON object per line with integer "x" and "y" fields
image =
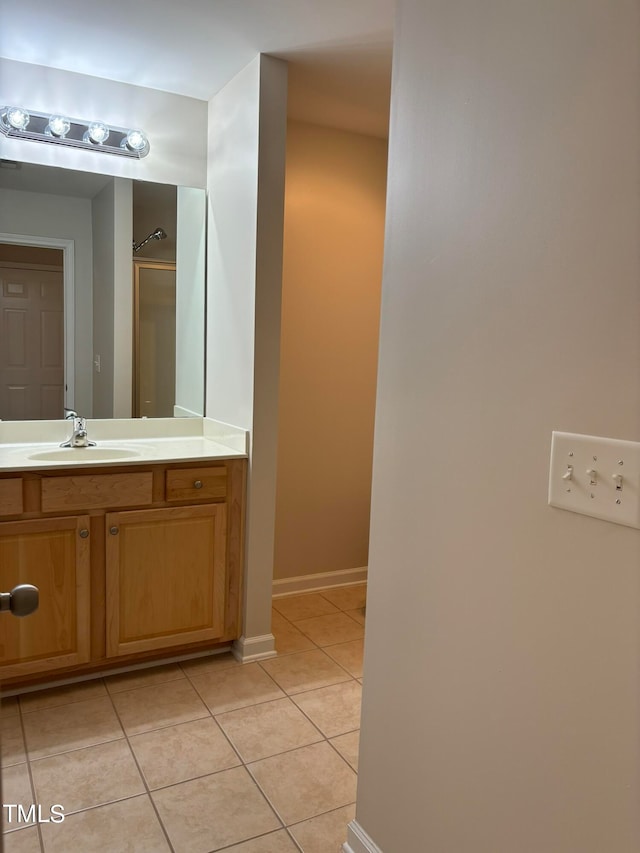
{"x": 113, "y": 496}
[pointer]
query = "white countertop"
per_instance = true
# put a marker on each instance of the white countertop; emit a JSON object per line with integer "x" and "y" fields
{"x": 118, "y": 442}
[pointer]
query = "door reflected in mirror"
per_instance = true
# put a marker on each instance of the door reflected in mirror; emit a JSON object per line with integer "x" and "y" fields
{"x": 32, "y": 332}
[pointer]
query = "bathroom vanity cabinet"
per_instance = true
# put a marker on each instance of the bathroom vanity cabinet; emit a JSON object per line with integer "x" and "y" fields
{"x": 133, "y": 563}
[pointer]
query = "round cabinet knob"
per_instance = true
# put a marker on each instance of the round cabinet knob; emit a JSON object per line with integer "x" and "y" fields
{"x": 198, "y": 484}
{"x": 84, "y": 533}
{"x": 113, "y": 531}
{"x": 21, "y": 601}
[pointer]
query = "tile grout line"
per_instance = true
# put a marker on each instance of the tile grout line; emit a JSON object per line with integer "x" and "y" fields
{"x": 142, "y": 776}
{"x": 264, "y": 663}
{"x": 142, "y": 686}
{"x": 78, "y": 749}
{"x": 300, "y": 693}
{"x": 30, "y": 774}
{"x": 330, "y": 645}
{"x": 209, "y": 713}
{"x": 263, "y": 793}
{"x": 330, "y": 811}
{"x": 325, "y": 737}
{"x": 245, "y": 764}
{"x": 204, "y": 776}
{"x": 254, "y": 838}
{"x": 334, "y": 747}
{"x": 293, "y": 839}
{"x": 124, "y": 737}
{"x": 285, "y": 825}
{"x": 249, "y": 705}
{"x": 295, "y": 624}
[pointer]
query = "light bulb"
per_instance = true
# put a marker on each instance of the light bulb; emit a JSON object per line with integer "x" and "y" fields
{"x": 135, "y": 140}
{"x": 17, "y": 117}
{"x": 97, "y": 132}
{"x": 58, "y": 126}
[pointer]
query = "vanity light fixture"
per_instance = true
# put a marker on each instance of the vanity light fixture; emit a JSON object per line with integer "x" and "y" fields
{"x": 135, "y": 140}
{"x": 19, "y": 123}
{"x": 16, "y": 118}
{"x": 58, "y": 126}
{"x": 97, "y": 133}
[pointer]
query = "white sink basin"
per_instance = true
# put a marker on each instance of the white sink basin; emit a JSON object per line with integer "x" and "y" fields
{"x": 83, "y": 454}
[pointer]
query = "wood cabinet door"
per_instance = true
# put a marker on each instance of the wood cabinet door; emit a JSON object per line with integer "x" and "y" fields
{"x": 52, "y": 554}
{"x": 166, "y": 577}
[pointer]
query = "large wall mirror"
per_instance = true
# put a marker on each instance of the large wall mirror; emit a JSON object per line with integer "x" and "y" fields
{"x": 102, "y": 288}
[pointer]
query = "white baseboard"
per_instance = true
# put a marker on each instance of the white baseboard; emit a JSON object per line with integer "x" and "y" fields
{"x": 248, "y": 649}
{"x": 358, "y": 841}
{"x": 318, "y": 581}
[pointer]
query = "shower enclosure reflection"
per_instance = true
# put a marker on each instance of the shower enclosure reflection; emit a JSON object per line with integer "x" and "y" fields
{"x": 154, "y": 346}
{"x": 156, "y": 234}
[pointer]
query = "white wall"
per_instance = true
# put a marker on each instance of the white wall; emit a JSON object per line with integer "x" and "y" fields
{"x": 190, "y": 300}
{"x": 246, "y": 157}
{"x": 112, "y": 300}
{"x": 231, "y": 263}
{"x": 502, "y": 663}
{"x": 103, "y": 223}
{"x": 176, "y": 126}
{"x": 123, "y": 298}
{"x": 61, "y": 217}
{"x": 333, "y": 239}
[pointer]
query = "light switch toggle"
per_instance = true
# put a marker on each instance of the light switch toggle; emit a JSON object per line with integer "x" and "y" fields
{"x": 593, "y": 476}
{"x": 568, "y": 475}
{"x": 616, "y": 497}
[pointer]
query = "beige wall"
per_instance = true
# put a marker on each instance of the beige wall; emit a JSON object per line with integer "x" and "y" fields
{"x": 502, "y": 663}
{"x": 155, "y": 205}
{"x": 333, "y": 236}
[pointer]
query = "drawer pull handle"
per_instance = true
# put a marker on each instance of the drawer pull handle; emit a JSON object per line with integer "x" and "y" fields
{"x": 198, "y": 484}
{"x": 84, "y": 533}
{"x": 113, "y": 531}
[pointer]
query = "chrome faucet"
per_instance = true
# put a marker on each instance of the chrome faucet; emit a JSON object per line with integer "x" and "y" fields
{"x": 79, "y": 437}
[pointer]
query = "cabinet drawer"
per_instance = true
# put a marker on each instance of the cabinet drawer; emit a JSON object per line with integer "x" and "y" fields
{"x": 96, "y": 491}
{"x": 188, "y": 484}
{"x": 11, "y": 496}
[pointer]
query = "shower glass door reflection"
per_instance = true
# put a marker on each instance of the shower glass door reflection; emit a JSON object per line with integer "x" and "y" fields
{"x": 154, "y": 371}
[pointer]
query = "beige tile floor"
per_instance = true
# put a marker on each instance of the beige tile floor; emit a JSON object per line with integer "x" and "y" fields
{"x": 204, "y": 756}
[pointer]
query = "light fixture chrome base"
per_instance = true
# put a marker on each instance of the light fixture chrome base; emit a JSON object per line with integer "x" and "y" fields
{"x": 38, "y": 129}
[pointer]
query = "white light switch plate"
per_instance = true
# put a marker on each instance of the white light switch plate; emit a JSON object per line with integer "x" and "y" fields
{"x": 586, "y": 471}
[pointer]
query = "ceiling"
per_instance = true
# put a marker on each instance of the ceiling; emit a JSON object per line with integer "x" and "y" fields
{"x": 339, "y": 50}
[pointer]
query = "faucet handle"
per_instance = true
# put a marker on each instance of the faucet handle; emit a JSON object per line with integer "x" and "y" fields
{"x": 69, "y": 414}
